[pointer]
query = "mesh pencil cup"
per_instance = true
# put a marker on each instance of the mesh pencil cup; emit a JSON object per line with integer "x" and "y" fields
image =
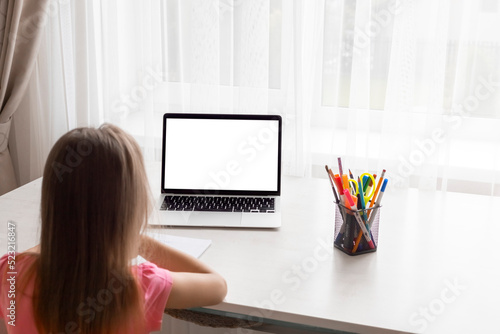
{"x": 349, "y": 236}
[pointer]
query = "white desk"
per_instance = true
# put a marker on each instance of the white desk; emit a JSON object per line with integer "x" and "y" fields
{"x": 436, "y": 269}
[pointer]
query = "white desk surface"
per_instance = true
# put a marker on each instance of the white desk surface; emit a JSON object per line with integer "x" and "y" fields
{"x": 436, "y": 269}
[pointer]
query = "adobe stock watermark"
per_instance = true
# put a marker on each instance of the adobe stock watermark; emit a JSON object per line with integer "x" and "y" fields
{"x": 11, "y": 274}
{"x": 88, "y": 309}
{"x": 227, "y": 5}
{"x": 378, "y": 22}
{"x": 73, "y": 159}
{"x": 427, "y": 314}
{"x": 291, "y": 280}
{"x": 427, "y": 147}
{"x": 128, "y": 102}
{"x": 247, "y": 151}
{"x": 29, "y": 27}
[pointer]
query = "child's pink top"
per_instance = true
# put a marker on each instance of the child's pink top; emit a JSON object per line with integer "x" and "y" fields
{"x": 156, "y": 284}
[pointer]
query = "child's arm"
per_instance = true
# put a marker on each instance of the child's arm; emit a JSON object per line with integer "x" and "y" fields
{"x": 195, "y": 284}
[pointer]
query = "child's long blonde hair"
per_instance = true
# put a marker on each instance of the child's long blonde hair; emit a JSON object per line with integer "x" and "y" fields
{"x": 95, "y": 202}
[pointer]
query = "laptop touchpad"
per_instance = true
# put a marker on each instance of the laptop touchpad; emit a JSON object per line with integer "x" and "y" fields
{"x": 203, "y": 218}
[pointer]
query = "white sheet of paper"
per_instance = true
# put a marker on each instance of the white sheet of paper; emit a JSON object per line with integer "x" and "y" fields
{"x": 192, "y": 246}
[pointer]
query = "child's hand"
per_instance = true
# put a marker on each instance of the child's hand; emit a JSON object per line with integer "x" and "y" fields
{"x": 195, "y": 283}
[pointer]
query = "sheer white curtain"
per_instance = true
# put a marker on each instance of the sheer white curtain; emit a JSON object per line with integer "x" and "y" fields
{"x": 409, "y": 86}
{"x": 218, "y": 56}
{"x": 413, "y": 87}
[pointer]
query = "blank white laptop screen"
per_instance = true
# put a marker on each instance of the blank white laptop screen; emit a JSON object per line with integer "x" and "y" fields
{"x": 222, "y": 154}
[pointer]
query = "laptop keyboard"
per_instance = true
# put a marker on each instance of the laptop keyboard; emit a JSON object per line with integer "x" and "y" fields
{"x": 218, "y": 204}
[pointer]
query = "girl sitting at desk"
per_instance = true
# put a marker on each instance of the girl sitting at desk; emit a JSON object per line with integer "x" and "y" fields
{"x": 95, "y": 204}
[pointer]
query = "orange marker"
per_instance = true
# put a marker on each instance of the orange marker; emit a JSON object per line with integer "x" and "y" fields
{"x": 338, "y": 183}
{"x": 345, "y": 181}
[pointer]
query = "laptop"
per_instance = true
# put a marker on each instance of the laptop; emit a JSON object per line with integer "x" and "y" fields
{"x": 221, "y": 170}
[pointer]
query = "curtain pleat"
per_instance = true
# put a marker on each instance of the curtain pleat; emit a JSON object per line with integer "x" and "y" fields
{"x": 23, "y": 23}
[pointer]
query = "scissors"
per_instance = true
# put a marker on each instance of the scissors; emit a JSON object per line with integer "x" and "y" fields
{"x": 355, "y": 190}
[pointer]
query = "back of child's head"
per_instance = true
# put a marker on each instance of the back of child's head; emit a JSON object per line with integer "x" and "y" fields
{"x": 95, "y": 201}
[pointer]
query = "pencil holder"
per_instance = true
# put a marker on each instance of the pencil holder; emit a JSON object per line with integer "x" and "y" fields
{"x": 349, "y": 236}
